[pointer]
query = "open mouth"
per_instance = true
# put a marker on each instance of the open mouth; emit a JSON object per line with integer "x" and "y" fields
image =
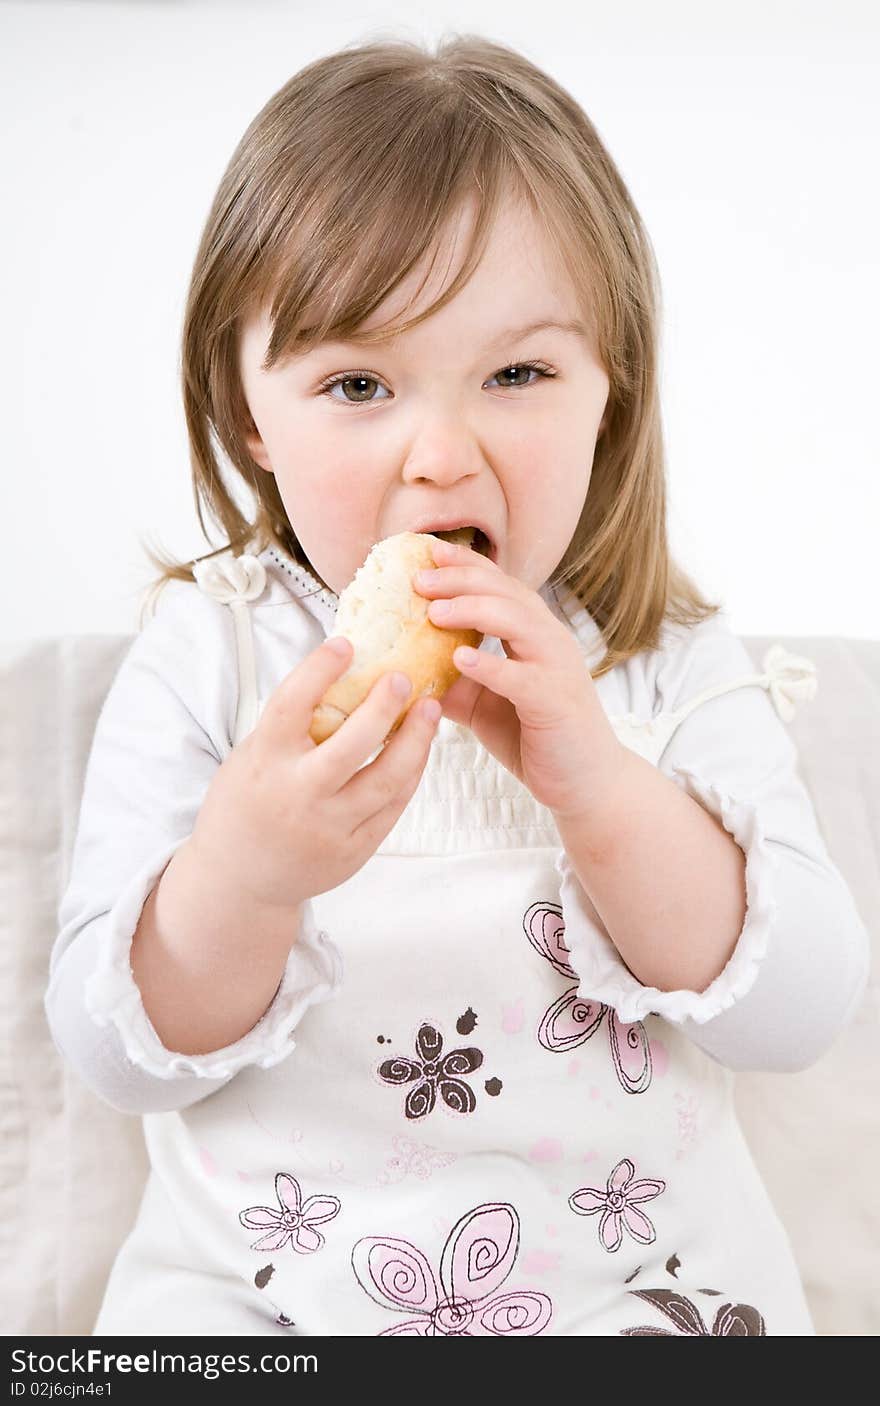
{"x": 473, "y": 537}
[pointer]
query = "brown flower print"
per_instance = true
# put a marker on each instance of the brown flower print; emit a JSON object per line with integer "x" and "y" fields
{"x": 733, "y": 1320}
{"x": 433, "y": 1070}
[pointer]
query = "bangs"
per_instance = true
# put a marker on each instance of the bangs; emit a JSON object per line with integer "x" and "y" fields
{"x": 377, "y": 212}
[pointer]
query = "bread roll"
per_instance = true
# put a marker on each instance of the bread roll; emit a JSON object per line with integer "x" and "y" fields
{"x": 387, "y": 622}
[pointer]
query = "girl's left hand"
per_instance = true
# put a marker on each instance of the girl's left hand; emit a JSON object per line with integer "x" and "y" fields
{"x": 537, "y": 710}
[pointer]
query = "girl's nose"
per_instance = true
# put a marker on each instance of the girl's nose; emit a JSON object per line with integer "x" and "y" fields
{"x": 442, "y": 455}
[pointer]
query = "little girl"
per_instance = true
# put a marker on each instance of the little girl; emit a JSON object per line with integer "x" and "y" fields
{"x": 436, "y": 1038}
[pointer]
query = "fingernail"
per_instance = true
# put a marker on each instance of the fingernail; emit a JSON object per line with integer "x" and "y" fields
{"x": 400, "y": 685}
{"x": 431, "y": 709}
{"x": 439, "y": 607}
{"x": 338, "y": 643}
{"x": 465, "y": 657}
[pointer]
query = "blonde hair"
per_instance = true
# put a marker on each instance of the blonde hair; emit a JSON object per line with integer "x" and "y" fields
{"x": 338, "y": 189}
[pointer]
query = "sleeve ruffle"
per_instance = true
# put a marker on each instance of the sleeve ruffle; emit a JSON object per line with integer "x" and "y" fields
{"x": 603, "y": 974}
{"x": 313, "y": 973}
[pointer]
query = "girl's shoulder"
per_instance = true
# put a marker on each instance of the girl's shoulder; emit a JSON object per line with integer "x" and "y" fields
{"x": 705, "y": 663}
{"x": 693, "y": 657}
{"x": 178, "y": 670}
{"x": 710, "y": 659}
{"x": 685, "y": 659}
{"x": 654, "y": 681}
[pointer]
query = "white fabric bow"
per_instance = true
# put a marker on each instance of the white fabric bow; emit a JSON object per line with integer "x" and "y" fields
{"x": 790, "y": 679}
{"x": 231, "y": 579}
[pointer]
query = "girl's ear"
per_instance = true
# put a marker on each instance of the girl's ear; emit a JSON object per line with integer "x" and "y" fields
{"x": 256, "y": 448}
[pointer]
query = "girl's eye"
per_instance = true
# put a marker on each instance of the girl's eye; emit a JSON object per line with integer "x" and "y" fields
{"x": 521, "y": 372}
{"x": 358, "y": 382}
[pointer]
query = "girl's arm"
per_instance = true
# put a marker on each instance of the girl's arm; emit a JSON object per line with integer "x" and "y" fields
{"x": 664, "y": 876}
{"x": 207, "y": 966}
{"x": 705, "y": 893}
{"x": 160, "y": 738}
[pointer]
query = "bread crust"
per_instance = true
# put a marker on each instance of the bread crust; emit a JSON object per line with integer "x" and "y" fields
{"x": 407, "y": 639}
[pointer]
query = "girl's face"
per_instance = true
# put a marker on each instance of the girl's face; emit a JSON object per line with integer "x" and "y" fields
{"x": 447, "y": 423}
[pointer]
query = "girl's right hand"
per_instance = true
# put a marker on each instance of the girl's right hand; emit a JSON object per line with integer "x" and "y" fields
{"x": 285, "y": 819}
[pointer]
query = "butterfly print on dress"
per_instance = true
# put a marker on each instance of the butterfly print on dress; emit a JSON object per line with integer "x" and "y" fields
{"x": 478, "y": 1256}
{"x": 572, "y": 1020}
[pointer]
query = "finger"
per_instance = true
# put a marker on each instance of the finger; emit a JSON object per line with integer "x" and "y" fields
{"x": 378, "y": 795}
{"x": 459, "y": 579}
{"x": 538, "y": 696}
{"x": 352, "y": 744}
{"x": 527, "y": 628}
{"x": 511, "y": 680}
{"x": 288, "y": 713}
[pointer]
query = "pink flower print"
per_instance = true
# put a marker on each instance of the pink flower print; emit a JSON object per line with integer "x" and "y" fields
{"x": 434, "y": 1070}
{"x": 476, "y": 1260}
{"x": 572, "y": 1020}
{"x": 618, "y": 1204}
{"x": 733, "y": 1320}
{"x": 295, "y": 1222}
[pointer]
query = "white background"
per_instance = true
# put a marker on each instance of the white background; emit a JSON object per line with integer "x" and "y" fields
{"x": 747, "y": 133}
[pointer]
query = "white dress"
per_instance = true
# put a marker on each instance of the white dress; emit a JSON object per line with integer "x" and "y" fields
{"x": 461, "y": 1114}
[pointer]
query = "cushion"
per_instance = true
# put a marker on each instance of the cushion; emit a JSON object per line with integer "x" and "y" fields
{"x": 72, "y": 1167}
